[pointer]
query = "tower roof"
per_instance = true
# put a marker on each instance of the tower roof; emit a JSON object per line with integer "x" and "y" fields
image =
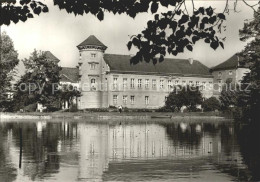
{"x": 92, "y": 40}
{"x": 69, "y": 74}
{"x": 50, "y": 56}
{"x": 121, "y": 63}
{"x": 231, "y": 63}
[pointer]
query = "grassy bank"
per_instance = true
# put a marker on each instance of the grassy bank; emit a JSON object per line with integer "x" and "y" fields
{"x": 115, "y": 116}
{"x": 70, "y": 114}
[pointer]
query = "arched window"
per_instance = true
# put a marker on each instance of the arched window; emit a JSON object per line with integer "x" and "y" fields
{"x": 93, "y": 80}
{"x": 93, "y": 84}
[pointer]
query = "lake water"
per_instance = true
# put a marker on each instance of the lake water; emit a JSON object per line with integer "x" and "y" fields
{"x": 140, "y": 151}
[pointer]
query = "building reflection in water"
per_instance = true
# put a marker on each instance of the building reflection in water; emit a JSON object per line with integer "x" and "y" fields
{"x": 83, "y": 151}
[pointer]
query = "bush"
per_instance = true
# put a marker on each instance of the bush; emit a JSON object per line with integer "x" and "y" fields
{"x": 125, "y": 109}
{"x": 30, "y": 108}
{"x": 112, "y": 107}
{"x": 188, "y": 96}
{"x": 164, "y": 109}
{"x": 97, "y": 110}
{"x": 211, "y": 104}
{"x": 142, "y": 110}
{"x": 73, "y": 108}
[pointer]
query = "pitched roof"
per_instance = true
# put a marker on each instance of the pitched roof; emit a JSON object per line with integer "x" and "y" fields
{"x": 50, "y": 56}
{"x": 121, "y": 63}
{"x": 230, "y": 63}
{"x": 91, "y": 40}
{"x": 69, "y": 75}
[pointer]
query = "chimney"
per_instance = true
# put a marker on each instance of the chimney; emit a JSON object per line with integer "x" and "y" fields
{"x": 190, "y": 60}
{"x": 238, "y": 60}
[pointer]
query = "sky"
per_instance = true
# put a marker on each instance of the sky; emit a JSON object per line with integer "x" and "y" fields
{"x": 60, "y": 33}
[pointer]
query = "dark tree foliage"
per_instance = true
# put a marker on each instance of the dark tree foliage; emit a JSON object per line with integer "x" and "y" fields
{"x": 188, "y": 96}
{"x": 68, "y": 93}
{"x": 228, "y": 96}
{"x": 211, "y": 104}
{"x": 15, "y": 11}
{"x": 8, "y": 62}
{"x": 172, "y": 31}
{"x": 40, "y": 82}
{"x": 249, "y": 97}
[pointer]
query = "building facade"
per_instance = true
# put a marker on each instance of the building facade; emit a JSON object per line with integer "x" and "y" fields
{"x": 110, "y": 80}
{"x": 229, "y": 71}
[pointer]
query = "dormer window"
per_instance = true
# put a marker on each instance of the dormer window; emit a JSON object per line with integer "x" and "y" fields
{"x": 92, "y": 66}
{"x": 219, "y": 73}
{"x": 93, "y": 84}
{"x": 93, "y": 55}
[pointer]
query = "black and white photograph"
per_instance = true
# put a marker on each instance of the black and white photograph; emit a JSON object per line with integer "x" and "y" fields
{"x": 129, "y": 90}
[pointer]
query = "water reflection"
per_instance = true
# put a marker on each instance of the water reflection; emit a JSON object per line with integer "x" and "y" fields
{"x": 77, "y": 151}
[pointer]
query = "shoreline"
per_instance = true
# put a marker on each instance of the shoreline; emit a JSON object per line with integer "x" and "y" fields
{"x": 114, "y": 116}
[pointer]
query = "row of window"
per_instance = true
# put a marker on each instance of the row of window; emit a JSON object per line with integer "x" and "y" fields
{"x": 132, "y": 99}
{"x": 92, "y": 55}
{"x": 229, "y": 73}
{"x": 147, "y": 83}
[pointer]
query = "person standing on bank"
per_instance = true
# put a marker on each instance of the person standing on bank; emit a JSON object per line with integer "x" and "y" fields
{"x": 120, "y": 108}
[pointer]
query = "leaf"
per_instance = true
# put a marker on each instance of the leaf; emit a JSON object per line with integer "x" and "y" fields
{"x": 214, "y": 45}
{"x": 45, "y": 9}
{"x": 207, "y": 40}
{"x": 163, "y": 23}
{"x": 161, "y": 58}
{"x": 129, "y": 45}
{"x": 30, "y": 15}
{"x": 201, "y": 10}
{"x": 205, "y": 20}
{"x": 136, "y": 42}
{"x": 183, "y": 19}
{"x": 202, "y": 25}
{"x": 37, "y": 10}
{"x": 221, "y": 44}
{"x": 178, "y": 12}
{"x": 154, "y": 61}
{"x": 154, "y": 7}
{"x": 189, "y": 47}
{"x": 164, "y": 3}
{"x": 212, "y": 19}
{"x": 100, "y": 15}
{"x": 209, "y": 11}
{"x": 156, "y": 17}
{"x": 195, "y": 39}
{"x": 222, "y": 16}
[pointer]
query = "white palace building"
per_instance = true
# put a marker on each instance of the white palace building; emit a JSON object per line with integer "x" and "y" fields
{"x": 110, "y": 80}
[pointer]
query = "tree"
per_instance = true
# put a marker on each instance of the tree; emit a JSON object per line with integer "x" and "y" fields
{"x": 8, "y": 62}
{"x": 211, "y": 104}
{"x": 184, "y": 28}
{"x": 188, "y": 96}
{"x": 67, "y": 93}
{"x": 228, "y": 96}
{"x": 40, "y": 82}
{"x": 249, "y": 98}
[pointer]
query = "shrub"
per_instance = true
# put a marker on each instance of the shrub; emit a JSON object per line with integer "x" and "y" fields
{"x": 211, "y": 104}
{"x": 112, "y": 107}
{"x": 30, "y": 108}
{"x": 73, "y": 108}
{"x": 97, "y": 110}
{"x": 163, "y": 109}
{"x": 188, "y": 96}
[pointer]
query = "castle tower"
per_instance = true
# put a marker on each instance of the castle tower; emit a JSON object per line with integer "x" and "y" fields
{"x": 91, "y": 52}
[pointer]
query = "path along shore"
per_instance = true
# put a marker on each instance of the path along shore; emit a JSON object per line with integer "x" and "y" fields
{"x": 113, "y": 116}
